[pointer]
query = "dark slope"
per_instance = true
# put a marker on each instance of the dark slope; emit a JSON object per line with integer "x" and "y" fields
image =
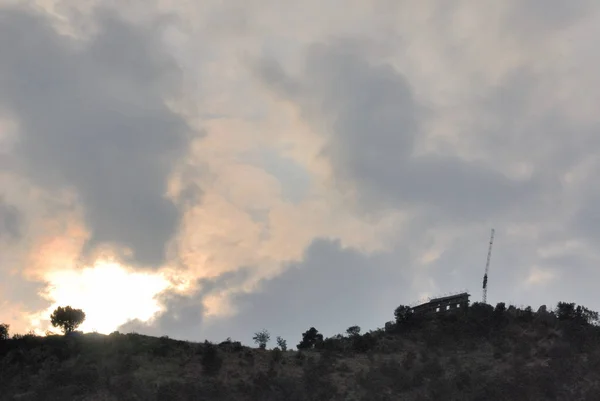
{"x": 481, "y": 354}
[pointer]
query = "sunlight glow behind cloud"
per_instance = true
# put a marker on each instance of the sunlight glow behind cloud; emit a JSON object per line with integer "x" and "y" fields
{"x": 108, "y": 293}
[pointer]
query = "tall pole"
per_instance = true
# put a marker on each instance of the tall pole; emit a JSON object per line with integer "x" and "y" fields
{"x": 487, "y": 268}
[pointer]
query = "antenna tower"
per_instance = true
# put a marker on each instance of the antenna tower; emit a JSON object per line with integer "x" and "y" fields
{"x": 487, "y": 268}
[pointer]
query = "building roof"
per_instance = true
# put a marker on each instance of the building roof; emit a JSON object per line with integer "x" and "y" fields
{"x": 454, "y": 296}
{"x": 434, "y": 301}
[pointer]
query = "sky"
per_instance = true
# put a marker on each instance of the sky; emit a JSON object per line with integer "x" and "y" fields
{"x": 205, "y": 170}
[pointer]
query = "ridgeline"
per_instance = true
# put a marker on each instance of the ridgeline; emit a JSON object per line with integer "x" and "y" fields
{"x": 477, "y": 353}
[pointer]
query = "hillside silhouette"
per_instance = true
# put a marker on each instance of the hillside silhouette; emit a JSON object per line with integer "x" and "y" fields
{"x": 478, "y": 353}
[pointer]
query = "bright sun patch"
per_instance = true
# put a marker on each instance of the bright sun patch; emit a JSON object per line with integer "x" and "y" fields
{"x": 108, "y": 293}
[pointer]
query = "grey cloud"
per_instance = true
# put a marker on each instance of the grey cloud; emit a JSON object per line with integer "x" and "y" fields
{"x": 183, "y": 315}
{"x": 92, "y": 117}
{"x": 539, "y": 16}
{"x": 458, "y": 189}
{"x": 586, "y": 219}
{"x": 548, "y": 138}
{"x": 374, "y": 121}
{"x": 331, "y": 289}
{"x": 14, "y": 287}
{"x": 10, "y": 221}
{"x": 17, "y": 290}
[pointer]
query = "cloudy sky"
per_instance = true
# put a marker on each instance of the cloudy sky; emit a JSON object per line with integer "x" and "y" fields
{"x": 208, "y": 169}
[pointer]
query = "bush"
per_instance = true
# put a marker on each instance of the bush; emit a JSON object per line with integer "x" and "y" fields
{"x": 364, "y": 343}
{"x": 525, "y": 315}
{"x": 432, "y": 369}
{"x": 162, "y": 348}
{"x": 463, "y": 380}
{"x": 316, "y": 380}
{"x": 4, "y": 331}
{"x": 580, "y": 314}
{"x": 409, "y": 360}
{"x": 481, "y": 311}
{"x": 403, "y": 315}
{"x": 277, "y": 355}
{"x": 311, "y": 339}
{"x": 389, "y": 375}
{"x": 353, "y": 331}
{"x": 211, "y": 360}
{"x": 333, "y": 344}
{"x": 230, "y": 346}
{"x": 500, "y": 308}
{"x": 281, "y": 343}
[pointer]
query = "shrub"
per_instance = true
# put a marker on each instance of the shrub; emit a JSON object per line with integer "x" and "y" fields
{"x": 317, "y": 384}
{"x": 281, "y": 343}
{"x": 409, "y": 360}
{"x": 364, "y": 343}
{"x": 463, "y": 380}
{"x": 525, "y": 315}
{"x": 162, "y": 347}
{"x": 277, "y": 355}
{"x": 249, "y": 357}
{"x": 4, "y": 331}
{"x": 333, "y": 344}
{"x": 353, "y": 331}
{"x": 431, "y": 369}
{"x": 480, "y": 311}
{"x": 580, "y": 314}
{"x": 300, "y": 358}
{"x": 403, "y": 315}
{"x": 500, "y": 308}
{"x": 390, "y": 327}
{"x": 230, "y": 346}
{"x": 311, "y": 339}
{"x": 211, "y": 360}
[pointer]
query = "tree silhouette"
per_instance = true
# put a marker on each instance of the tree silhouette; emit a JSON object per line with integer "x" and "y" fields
{"x": 403, "y": 314}
{"x": 310, "y": 339}
{"x": 4, "y": 331}
{"x": 579, "y": 314}
{"x": 586, "y": 315}
{"x": 281, "y": 343}
{"x": 262, "y": 338}
{"x": 67, "y": 318}
{"x": 565, "y": 311}
{"x": 353, "y": 331}
{"x": 500, "y": 308}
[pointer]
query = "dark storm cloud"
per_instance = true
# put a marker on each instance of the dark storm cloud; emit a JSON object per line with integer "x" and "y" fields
{"x": 331, "y": 289}
{"x": 92, "y": 117}
{"x": 183, "y": 315}
{"x": 372, "y": 122}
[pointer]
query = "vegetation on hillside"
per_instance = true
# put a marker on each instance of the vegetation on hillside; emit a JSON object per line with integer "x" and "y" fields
{"x": 481, "y": 353}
